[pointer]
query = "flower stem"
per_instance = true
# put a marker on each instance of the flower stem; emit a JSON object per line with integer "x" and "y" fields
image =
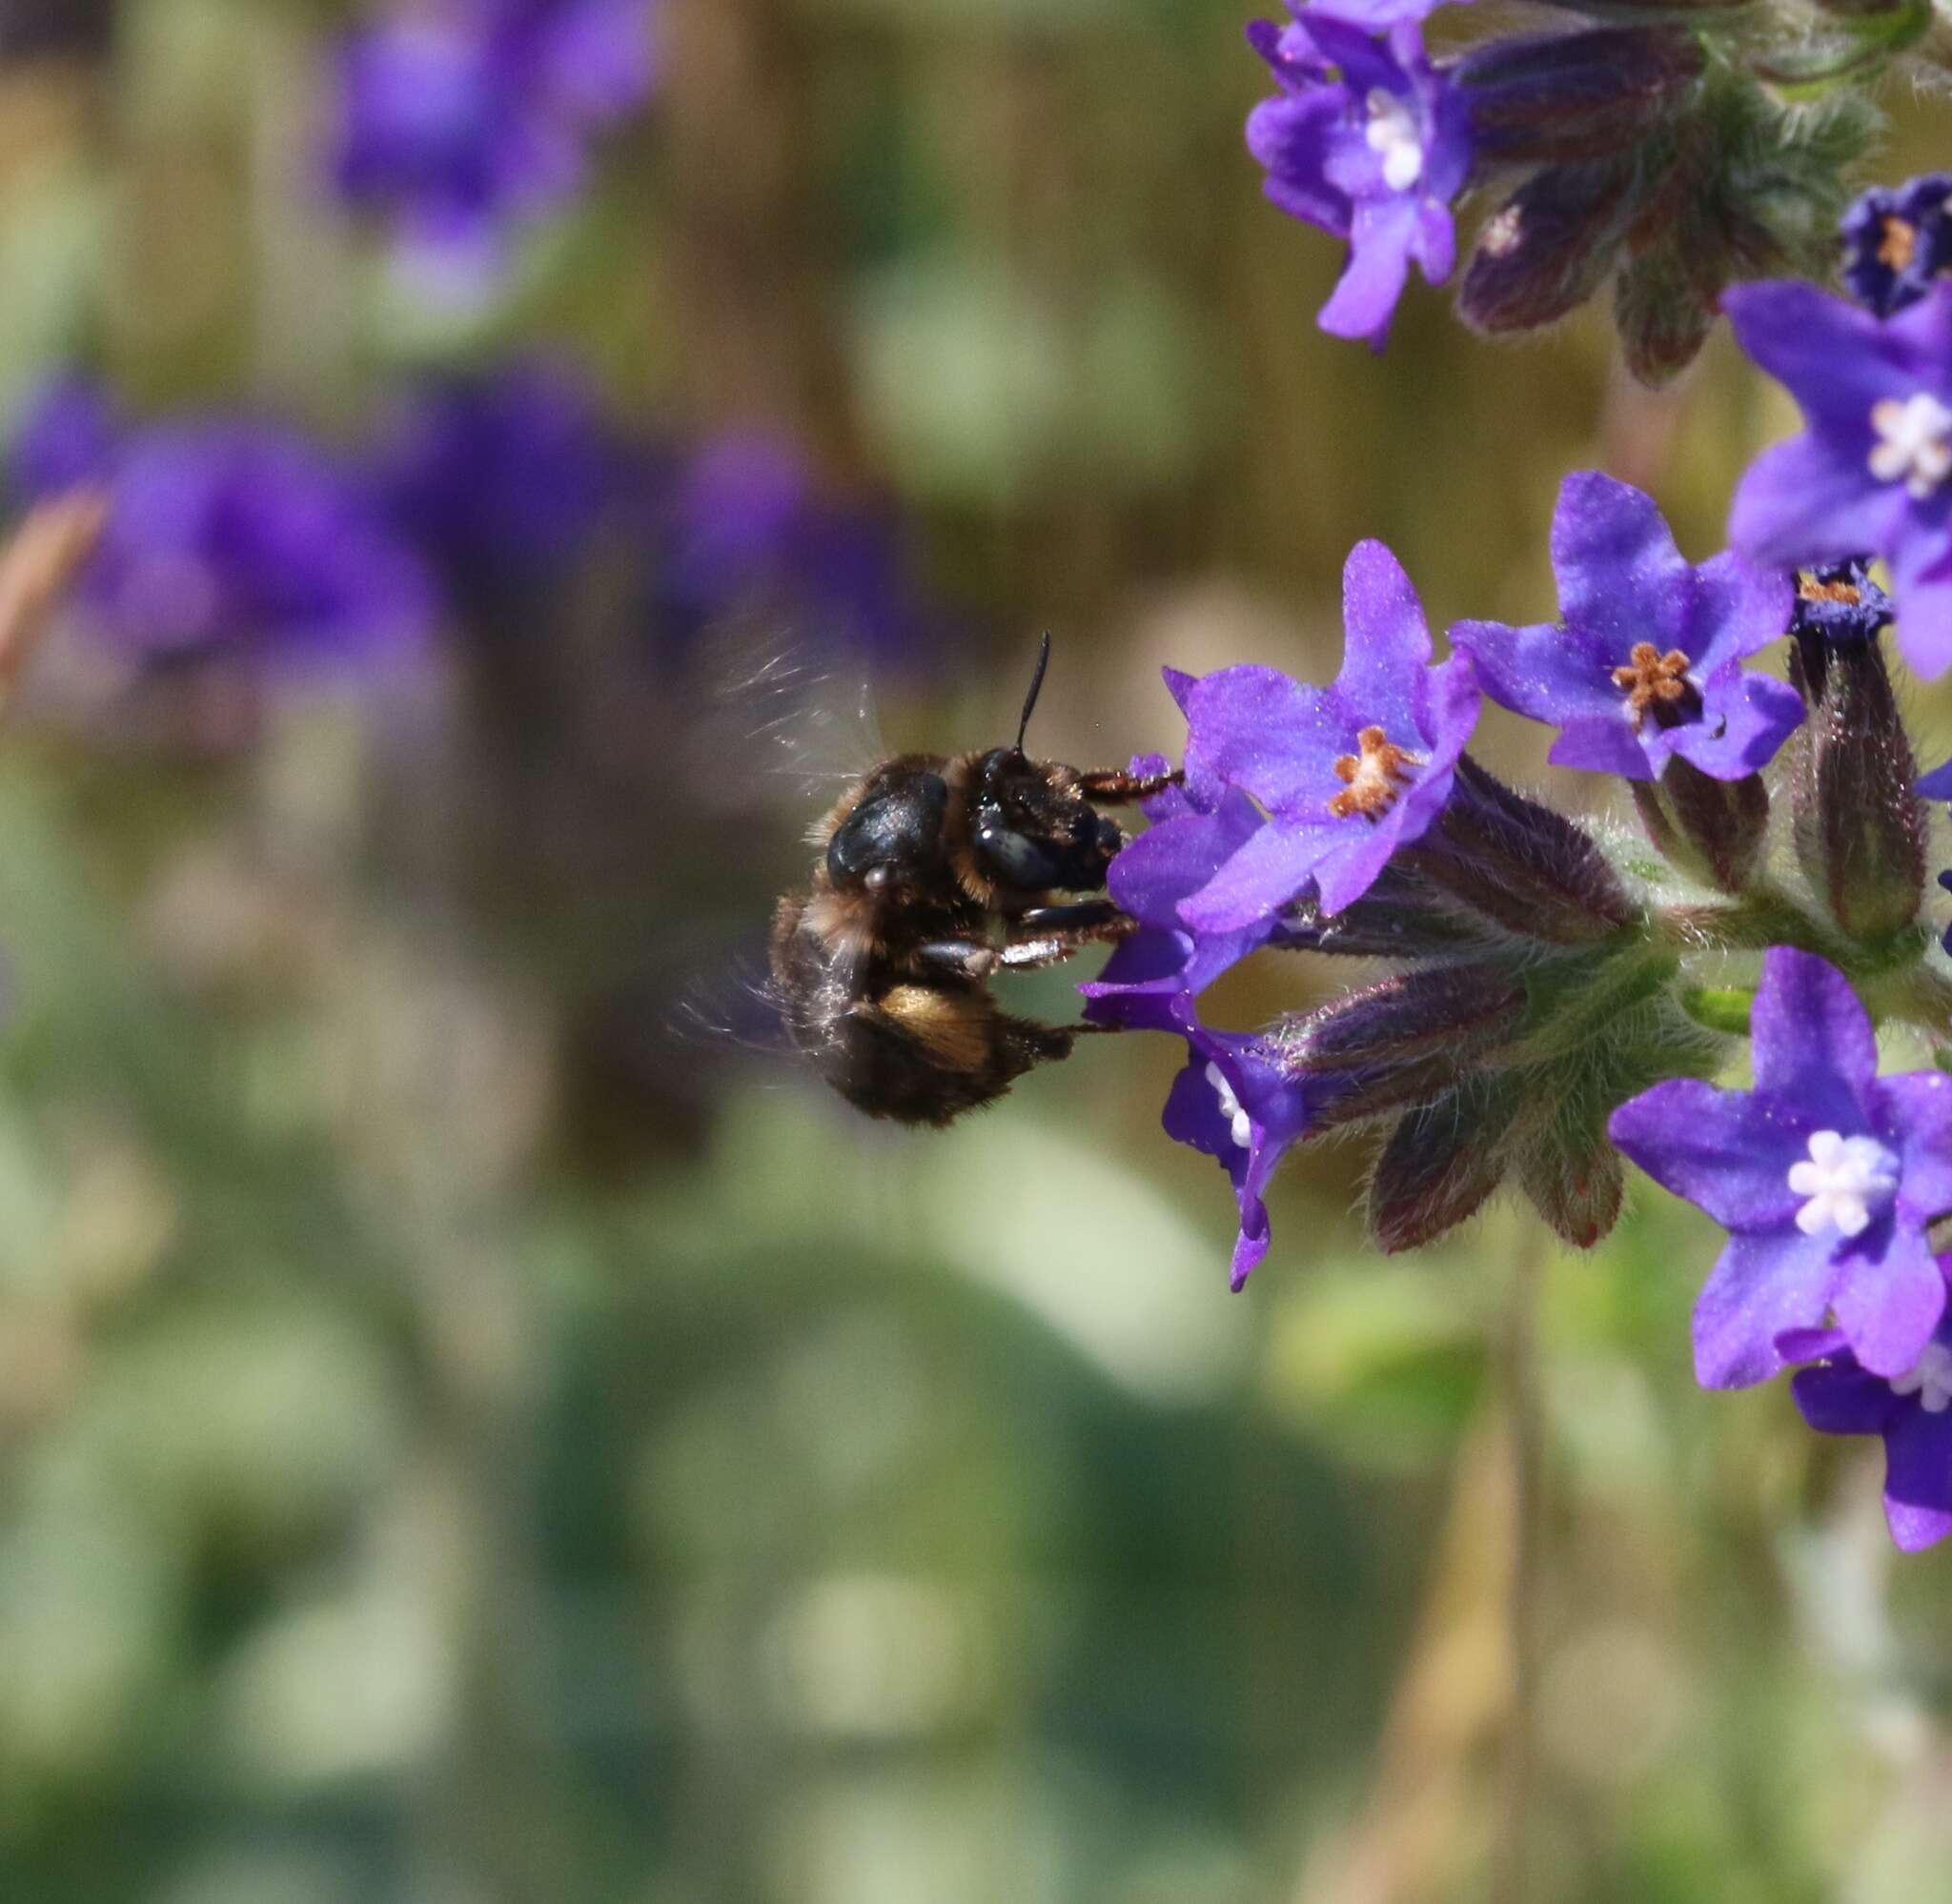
{"x": 1525, "y": 1411}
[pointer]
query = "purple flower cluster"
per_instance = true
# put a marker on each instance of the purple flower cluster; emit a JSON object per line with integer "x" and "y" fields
{"x": 1351, "y": 819}
{"x": 460, "y": 119}
{"x": 228, "y": 537}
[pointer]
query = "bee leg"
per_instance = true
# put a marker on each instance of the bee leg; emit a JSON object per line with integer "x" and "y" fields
{"x": 1114, "y": 787}
{"x": 964, "y": 958}
{"x": 1084, "y": 914}
{"x": 1054, "y": 948}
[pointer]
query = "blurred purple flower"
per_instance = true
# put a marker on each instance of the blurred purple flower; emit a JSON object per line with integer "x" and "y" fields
{"x": 503, "y": 480}
{"x": 460, "y": 117}
{"x": 1912, "y": 1412}
{"x": 1645, "y": 660}
{"x": 1872, "y": 472}
{"x": 1825, "y": 1177}
{"x": 740, "y": 524}
{"x": 1346, "y": 774}
{"x": 230, "y": 536}
{"x": 1367, "y": 141}
{"x": 1896, "y": 242}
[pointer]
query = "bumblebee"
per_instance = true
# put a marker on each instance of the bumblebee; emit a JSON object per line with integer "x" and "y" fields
{"x": 936, "y": 873}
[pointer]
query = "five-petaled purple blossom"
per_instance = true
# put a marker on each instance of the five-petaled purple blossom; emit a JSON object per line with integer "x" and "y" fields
{"x": 1645, "y": 661}
{"x": 1346, "y": 774}
{"x": 227, "y": 536}
{"x": 1367, "y": 141}
{"x": 1912, "y": 1412}
{"x": 1897, "y": 241}
{"x": 1872, "y": 472}
{"x": 1825, "y": 1177}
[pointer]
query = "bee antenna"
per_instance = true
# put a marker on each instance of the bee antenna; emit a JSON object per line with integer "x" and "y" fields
{"x": 1036, "y": 688}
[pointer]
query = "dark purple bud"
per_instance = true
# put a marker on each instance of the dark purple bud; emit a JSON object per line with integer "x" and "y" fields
{"x": 1441, "y": 1163}
{"x": 1860, "y": 823}
{"x": 1574, "y": 96}
{"x": 1453, "y": 1009}
{"x": 1714, "y": 829}
{"x": 1532, "y": 871}
{"x": 1400, "y": 917}
{"x": 1548, "y": 247}
{"x": 1576, "y": 1186}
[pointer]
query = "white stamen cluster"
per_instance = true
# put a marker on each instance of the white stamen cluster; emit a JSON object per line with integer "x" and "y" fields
{"x": 1392, "y": 132}
{"x": 1231, "y": 1107}
{"x": 1847, "y": 1181}
{"x": 1931, "y": 1381}
{"x": 1914, "y": 440}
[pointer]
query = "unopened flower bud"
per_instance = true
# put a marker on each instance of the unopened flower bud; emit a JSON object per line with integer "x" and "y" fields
{"x": 1714, "y": 829}
{"x": 1860, "y": 824}
{"x": 1454, "y": 1009}
{"x": 1568, "y": 97}
{"x": 1533, "y": 871}
{"x": 1441, "y": 1163}
{"x": 1548, "y": 247}
{"x": 1577, "y": 1187}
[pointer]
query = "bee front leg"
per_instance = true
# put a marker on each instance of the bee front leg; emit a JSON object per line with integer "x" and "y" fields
{"x": 1068, "y": 930}
{"x": 963, "y": 957}
{"x": 1115, "y": 786}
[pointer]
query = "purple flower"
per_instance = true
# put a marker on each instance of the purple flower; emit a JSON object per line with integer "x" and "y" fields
{"x": 503, "y": 480}
{"x": 1913, "y": 1412}
{"x": 1895, "y": 243}
{"x": 461, "y": 116}
{"x": 1645, "y": 661}
{"x": 226, "y": 535}
{"x": 1825, "y": 1176}
{"x": 1346, "y": 774}
{"x": 1182, "y": 849}
{"x": 1367, "y": 140}
{"x": 1872, "y": 472}
{"x": 1235, "y": 1101}
{"x": 1838, "y": 602}
{"x": 741, "y": 524}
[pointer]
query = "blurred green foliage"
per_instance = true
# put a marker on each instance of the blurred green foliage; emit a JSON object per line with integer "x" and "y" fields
{"x": 424, "y": 1476}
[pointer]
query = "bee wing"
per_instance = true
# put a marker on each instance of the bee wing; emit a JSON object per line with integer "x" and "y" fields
{"x": 793, "y": 719}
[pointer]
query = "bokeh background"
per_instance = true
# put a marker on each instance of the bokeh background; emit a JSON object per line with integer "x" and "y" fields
{"x": 473, "y": 1428}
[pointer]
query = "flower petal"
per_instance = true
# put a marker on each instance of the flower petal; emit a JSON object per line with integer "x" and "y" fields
{"x": 1729, "y": 1152}
{"x": 1621, "y": 576}
{"x": 1745, "y": 722}
{"x": 1840, "y": 1398}
{"x": 1267, "y": 872}
{"x": 1365, "y": 299}
{"x": 1889, "y": 1306}
{"x": 1761, "y": 1287}
{"x": 1814, "y": 500}
{"x": 1389, "y": 645}
{"x": 1813, "y": 1042}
